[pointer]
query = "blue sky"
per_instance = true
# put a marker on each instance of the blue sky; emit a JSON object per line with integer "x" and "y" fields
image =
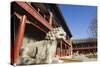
{"x": 78, "y": 19}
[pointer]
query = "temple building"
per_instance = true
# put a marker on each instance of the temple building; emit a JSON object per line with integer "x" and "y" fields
{"x": 85, "y": 46}
{"x": 31, "y": 21}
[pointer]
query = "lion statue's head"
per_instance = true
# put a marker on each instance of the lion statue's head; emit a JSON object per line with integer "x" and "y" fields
{"x": 56, "y": 33}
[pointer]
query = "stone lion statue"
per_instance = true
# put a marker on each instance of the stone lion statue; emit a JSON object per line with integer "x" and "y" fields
{"x": 43, "y": 51}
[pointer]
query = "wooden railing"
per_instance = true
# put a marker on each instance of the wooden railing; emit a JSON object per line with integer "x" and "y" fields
{"x": 82, "y": 48}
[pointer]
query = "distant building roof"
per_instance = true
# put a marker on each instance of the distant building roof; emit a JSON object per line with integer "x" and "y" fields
{"x": 76, "y": 41}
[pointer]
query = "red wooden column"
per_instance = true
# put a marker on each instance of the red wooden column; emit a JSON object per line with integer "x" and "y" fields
{"x": 60, "y": 48}
{"x": 65, "y": 50}
{"x": 56, "y": 52}
{"x": 19, "y": 38}
{"x": 59, "y": 52}
{"x": 71, "y": 48}
{"x": 69, "y": 51}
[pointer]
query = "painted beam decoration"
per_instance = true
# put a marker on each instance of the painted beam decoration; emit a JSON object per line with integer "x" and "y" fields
{"x": 40, "y": 34}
